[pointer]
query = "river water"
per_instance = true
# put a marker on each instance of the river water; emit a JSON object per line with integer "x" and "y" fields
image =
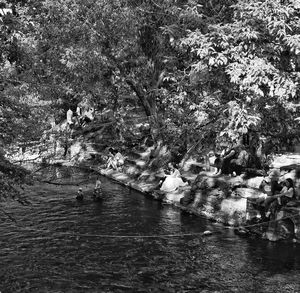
{"x": 60, "y": 245}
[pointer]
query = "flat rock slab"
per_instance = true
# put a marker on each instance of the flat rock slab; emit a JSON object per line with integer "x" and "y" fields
{"x": 283, "y": 160}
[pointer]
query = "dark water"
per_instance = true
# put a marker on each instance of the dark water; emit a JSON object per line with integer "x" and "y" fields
{"x": 57, "y": 245}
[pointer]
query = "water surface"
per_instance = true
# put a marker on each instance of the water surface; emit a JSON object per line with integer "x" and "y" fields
{"x": 60, "y": 245}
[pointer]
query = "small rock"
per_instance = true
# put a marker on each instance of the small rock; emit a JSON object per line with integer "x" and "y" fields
{"x": 241, "y": 232}
{"x": 207, "y": 233}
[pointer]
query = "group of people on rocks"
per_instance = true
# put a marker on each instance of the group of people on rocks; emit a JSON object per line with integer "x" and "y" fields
{"x": 115, "y": 159}
{"x": 278, "y": 194}
{"x": 231, "y": 161}
{"x": 235, "y": 160}
{"x": 84, "y": 114}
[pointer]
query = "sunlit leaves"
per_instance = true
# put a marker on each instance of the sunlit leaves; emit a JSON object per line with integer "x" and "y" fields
{"x": 173, "y": 56}
{"x": 239, "y": 121}
{"x": 254, "y": 56}
{"x": 293, "y": 41}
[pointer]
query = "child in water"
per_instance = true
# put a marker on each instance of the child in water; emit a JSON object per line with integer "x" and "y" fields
{"x": 79, "y": 196}
{"x": 97, "y": 190}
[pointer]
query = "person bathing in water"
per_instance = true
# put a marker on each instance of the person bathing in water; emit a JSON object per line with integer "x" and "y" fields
{"x": 97, "y": 194}
{"x": 79, "y": 196}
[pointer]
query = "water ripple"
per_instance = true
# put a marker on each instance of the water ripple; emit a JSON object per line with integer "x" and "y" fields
{"x": 56, "y": 246}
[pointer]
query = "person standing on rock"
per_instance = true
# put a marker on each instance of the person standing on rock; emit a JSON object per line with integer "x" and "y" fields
{"x": 70, "y": 117}
{"x": 78, "y": 110}
{"x": 79, "y": 114}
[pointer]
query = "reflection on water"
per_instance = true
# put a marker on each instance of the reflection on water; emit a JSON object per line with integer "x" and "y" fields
{"x": 57, "y": 245}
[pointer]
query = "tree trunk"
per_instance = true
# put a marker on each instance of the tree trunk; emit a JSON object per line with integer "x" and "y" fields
{"x": 149, "y": 109}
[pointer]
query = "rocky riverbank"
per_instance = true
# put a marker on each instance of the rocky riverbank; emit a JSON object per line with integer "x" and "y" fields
{"x": 220, "y": 198}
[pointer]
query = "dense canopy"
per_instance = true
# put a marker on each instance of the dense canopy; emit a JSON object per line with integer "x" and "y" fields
{"x": 206, "y": 72}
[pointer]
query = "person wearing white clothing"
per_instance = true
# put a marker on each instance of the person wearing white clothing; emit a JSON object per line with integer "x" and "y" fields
{"x": 70, "y": 117}
{"x": 173, "y": 180}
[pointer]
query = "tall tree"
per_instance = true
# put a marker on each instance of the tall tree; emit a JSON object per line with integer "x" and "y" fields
{"x": 253, "y": 59}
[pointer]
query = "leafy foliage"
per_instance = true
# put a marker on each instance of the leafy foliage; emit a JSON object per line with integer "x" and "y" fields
{"x": 203, "y": 71}
{"x": 254, "y": 60}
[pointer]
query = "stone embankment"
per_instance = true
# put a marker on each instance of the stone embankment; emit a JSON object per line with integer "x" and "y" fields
{"x": 223, "y": 199}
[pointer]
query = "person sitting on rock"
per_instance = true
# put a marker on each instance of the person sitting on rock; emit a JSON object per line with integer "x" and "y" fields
{"x": 286, "y": 195}
{"x": 231, "y": 154}
{"x": 222, "y": 161}
{"x": 154, "y": 156}
{"x": 116, "y": 160}
{"x": 79, "y": 196}
{"x": 87, "y": 117}
{"x": 119, "y": 160}
{"x": 233, "y": 161}
{"x": 111, "y": 159}
{"x": 271, "y": 187}
{"x": 173, "y": 180}
{"x": 238, "y": 164}
{"x": 197, "y": 185}
{"x": 217, "y": 163}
